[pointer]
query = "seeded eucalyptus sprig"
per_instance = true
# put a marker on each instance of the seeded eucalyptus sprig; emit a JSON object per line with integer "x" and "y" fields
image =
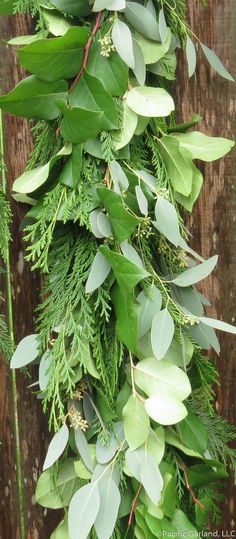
{"x": 121, "y": 329}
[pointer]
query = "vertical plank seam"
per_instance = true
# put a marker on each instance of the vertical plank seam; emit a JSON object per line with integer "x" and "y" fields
{"x": 10, "y": 324}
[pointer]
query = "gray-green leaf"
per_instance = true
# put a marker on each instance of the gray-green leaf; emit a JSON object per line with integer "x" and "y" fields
{"x": 26, "y": 352}
{"x": 197, "y": 273}
{"x": 216, "y": 63}
{"x": 136, "y": 422}
{"x": 56, "y": 446}
{"x": 100, "y": 269}
{"x": 151, "y": 102}
{"x": 123, "y": 42}
{"x": 191, "y": 56}
{"x": 83, "y": 510}
{"x": 109, "y": 506}
{"x": 167, "y": 220}
{"x": 162, "y": 332}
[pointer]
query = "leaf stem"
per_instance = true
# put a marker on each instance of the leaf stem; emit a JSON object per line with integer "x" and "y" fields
{"x": 10, "y": 324}
{"x": 134, "y": 505}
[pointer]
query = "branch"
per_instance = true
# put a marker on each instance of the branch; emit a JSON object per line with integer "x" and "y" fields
{"x": 134, "y": 505}
{"x": 87, "y": 49}
{"x": 184, "y": 468}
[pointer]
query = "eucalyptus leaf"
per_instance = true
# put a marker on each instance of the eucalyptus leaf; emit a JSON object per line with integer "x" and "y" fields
{"x": 100, "y": 269}
{"x": 44, "y": 370}
{"x": 61, "y": 531}
{"x": 26, "y": 352}
{"x": 110, "y": 499}
{"x": 136, "y": 422}
{"x": 151, "y": 478}
{"x": 131, "y": 253}
{"x": 162, "y": 26}
{"x": 57, "y": 493}
{"x": 57, "y": 24}
{"x": 83, "y": 510}
{"x": 150, "y": 302}
{"x": 155, "y": 377}
{"x": 162, "y": 332}
{"x": 56, "y": 446}
{"x": 111, "y": 5}
{"x": 105, "y": 452}
{"x": 142, "y": 20}
{"x": 165, "y": 409}
{"x": 122, "y": 39}
{"x": 218, "y": 324}
{"x": 167, "y": 220}
{"x": 216, "y": 63}
{"x": 178, "y": 164}
{"x": 123, "y": 136}
{"x": 83, "y": 448}
{"x": 140, "y": 68}
{"x": 153, "y": 51}
{"x": 147, "y": 101}
{"x": 141, "y": 199}
{"x": 191, "y": 56}
{"x": 196, "y": 273}
{"x": 118, "y": 176}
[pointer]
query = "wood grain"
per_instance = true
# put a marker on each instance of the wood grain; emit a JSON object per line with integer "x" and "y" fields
{"x": 213, "y": 222}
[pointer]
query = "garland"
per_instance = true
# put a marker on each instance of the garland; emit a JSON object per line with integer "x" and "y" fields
{"x": 138, "y": 449}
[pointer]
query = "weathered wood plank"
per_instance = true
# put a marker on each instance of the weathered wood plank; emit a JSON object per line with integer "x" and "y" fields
{"x": 213, "y": 222}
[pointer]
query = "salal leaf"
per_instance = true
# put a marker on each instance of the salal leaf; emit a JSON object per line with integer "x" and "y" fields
{"x": 178, "y": 164}
{"x": 150, "y": 301}
{"x": 204, "y": 147}
{"x": 165, "y": 409}
{"x": 26, "y": 351}
{"x": 136, "y": 422}
{"x": 197, "y": 273}
{"x": 57, "y": 493}
{"x": 123, "y": 42}
{"x": 154, "y": 376}
{"x": 105, "y": 452}
{"x": 76, "y": 8}
{"x": 191, "y": 56}
{"x": 141, "y": 199}
{"x": 151, "y": 478}
{"x": 34, "y": 98}
{"x": 140, "y": 68}
{"x": 131, "y": 253}
{"x": 112, "y": 71}
{"x": 167, "y": 220}
{"x": 111, "y": 5}
{"x": 55, "y": 58}
{"x": 171, "y": 438}
{"x": 32, "y": 179}
{"x": 151, "y": 102}
{"x": 56, "y": 446}
{"x": 83, "y": 510}
{"x": 83, "y": 448}
{"x": 123, "y": 223}
{"x": 100, "y": 269}
{"x": 90, "y": 94}
{"x": 129, "y": 123}
{"x": 162, "y": 332}
{"x": 182, "y": 524}
{"x": 127, "y": 317}
{"x": 127, "y": 274}
{"x": 110, "y": 499}
{"x": 44, "y": 370}
{"x": 118, "y": 176}
{"x": 162, "y": 26}
{"x": 193, "y": 433}
{"x": 216, "y": 63}
{"x": 90, "y": 123}
{"x": 142, "y": 20}
{"x": 188, "y": 201}
{"x": 218, "y": 324}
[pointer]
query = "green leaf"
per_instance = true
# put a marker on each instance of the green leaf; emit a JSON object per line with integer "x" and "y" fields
{"x": 188, "y": 202}
{"x": 142, "y": 20}
{"x": 55, "y": 58}
{"x": 100, "y": 269}
{"x": 150, "y": 302}
{"x": 7, "y": 7}
{"x": 83, "y": 448}
{"x": 141, "y": 199}
{"x": 31, "y": 180}
{"x": 118, "y": 176}
{"x": 34, "y": 98}
{"x": 105, "y": 452}
{"x": 191, "y": 56}
{"x": 163, "y": 30}
{"x": 81, "y": 471}
{"x": 89, "y": 93}
{"x": 216, "y": 63}
{"x": 162, "y": 332}
{"x": 111, "y": 5}
{"x": 76, "y": 8}
{"x": 127, "y": 274}
{"x": 140, "y": 68}
{"x": 136, "y": 422}
{"x": 182, "y": 524}
{"x": 165, "y": 409}
{"x": 110, "y": 502}
{"x": 127, "y": 317}
{"x": 180, "y": 353}
{"x": 112, "y": 71}
{"x": 61, "y": 531}
{"x": 178, "y": 163}
{"x": 56, "y": 492}
{"x": 26, "y": 352}
{"x": 122, "y": 222}
{"x": 167, "y": 220}
{"x": 151, "y": 102}
{"x": 56, "y": 447}
{"x": 129, "y": 123}
{"x": 90, "y": 123}
{"x": 203, "y": 147}
{"x": 83, "y": 510}
{"x": 151, "y": 478}
{"x": 196, "y": 273}
{"x": 193, "y": 433}
{"x": 156, "y": 444}
{"x": 56, "y": 23}
{"x": 122, "y": 39}
{"x": 218, "y": 324}
{"x": 210, "y": 471}
{"x": 171, "y": 438}
{"x": 153, "y": 51}
{"x": 154, "y": 376}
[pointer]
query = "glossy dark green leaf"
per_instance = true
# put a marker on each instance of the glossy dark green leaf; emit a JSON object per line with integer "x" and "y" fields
{"x": 127, "y": 317}
{"x": 89, "y": 93}
{"x": 89, "y": 123}
{"x": 55, "y": 58}
{"x": 34, "y": 98}
{"x": 178, "y": 164}
{"x": 112, "y": 71}
{"x": 77, "y": 8}
{"x": 123, "y": 223}
{"x": 7, "y": 7}
{"x": 127, "y": 274}
{"x": 193, "y": 433}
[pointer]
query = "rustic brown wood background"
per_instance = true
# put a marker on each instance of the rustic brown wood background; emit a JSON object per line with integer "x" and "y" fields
{"x": 213, "y": 225}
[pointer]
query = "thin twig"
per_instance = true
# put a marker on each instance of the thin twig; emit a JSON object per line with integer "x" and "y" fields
{"x": 134, "y": 505}
{"x": 184, "y": 468}
{"x": 87, "y": 49}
